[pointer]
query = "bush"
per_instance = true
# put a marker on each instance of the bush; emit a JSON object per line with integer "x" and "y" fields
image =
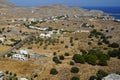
{"x": 71, "y": 63}
{"x": 61, "y": 57}
{"x": 56, "y": 60}
{"x": 67, "y": 54}
{"x": 83, "y": 51}
{"x": 74, "y": 70}
{"x": 75, "y": 78}
{"x": 72, "y": 44}
{"x": 78, "y": 58}
{"x": 76, "y": 38}
{"x": 54, "y": 53}
{"x": 53, "y": 71}
{"x": 93, "y": 78}
{"x": 99, "y": 43}
{"x": 102, "y": 62}
{"x": 101, "y": 74}
{"x": 89, "y": 43}
{"x": 62, "y": 42}
{"x": 91, "y": 59}
{"x": 66, "y": 46}
{"x": 114, "y": 45}
{"x": 113, "y": 53}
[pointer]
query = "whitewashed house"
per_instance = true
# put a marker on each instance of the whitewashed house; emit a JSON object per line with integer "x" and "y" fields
{"x": 25, "y": 52}
{"x": 86, "y": 31}
{"x": 19, "y": 57}
{"x": 32, "y": 19}
{"x": 112, "y": 77}
{"x": 2, "y": 39}
{"x": 23, "y": 79}
{"x": 41, "y": 29}
{"x": 45, "y": 35}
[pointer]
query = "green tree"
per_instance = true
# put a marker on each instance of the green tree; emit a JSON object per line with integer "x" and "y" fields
{"x": 61, "y": 57}
{"x": 75, "y": 78}
{"x": 102, "y": 62}
{"x": 101, "y": 74}
{"x": 114, "y": 45}
{"x": 78, "y": 58}
{"x": 74, "y": 70}
{"x": 71, "y": 63}
{"x": 93, "y": 78}
{"x": 53, "y": 71}
{"x": 56, "y": 60}
{"x": 113, "y": 53}
{"x": 91, "y": 59}
{"x": 66, "y": 54}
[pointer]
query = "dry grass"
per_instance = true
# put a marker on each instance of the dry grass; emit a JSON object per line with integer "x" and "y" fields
{"x": 22, "y": 68}
{"x": 4, "y": 49}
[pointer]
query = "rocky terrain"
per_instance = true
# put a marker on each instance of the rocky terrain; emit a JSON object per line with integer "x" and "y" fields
{"x": 5, "y": 4}
{"x": 45, "y": 11}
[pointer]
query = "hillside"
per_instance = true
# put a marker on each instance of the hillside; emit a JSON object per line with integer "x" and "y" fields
{"x": 51, "y": 10}
{"x": 4, "y": 4}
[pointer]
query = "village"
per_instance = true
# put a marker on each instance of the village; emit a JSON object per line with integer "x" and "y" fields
{"x": 34, "y": 43}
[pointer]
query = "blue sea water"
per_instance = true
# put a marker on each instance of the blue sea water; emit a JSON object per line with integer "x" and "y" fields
{"x": 113, "y": 11}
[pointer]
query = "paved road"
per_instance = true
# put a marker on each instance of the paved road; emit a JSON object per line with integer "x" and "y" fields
{"x": 17, "y": 45}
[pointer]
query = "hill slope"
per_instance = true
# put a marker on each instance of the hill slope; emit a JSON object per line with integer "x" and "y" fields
{"x": 4, "y": 3}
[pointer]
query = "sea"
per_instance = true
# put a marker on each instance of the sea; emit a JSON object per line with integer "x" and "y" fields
{"x": 112, "y": 11}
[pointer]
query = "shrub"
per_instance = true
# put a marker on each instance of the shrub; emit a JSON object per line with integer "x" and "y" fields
{"x": 76, "y": 38}
{"x": 78, "y": 58}
{"x": 66, "y": 46}
{"x": 74, "y": 70}
{"x": 99, "y": 43}
{"x": 75, "y": 78}
{"x": 113, "y": 53}
{"x": 54, "y": 53}
{"x": 56, "y": 60}
{"x": 62, "y": 42}
{"x": 114, "y": 45}
{"x": 66, "y": 54}
{"x": 71, "y": 63}
{"x": 93, "y": 78}
{"x": 101, "y": 74}
{"x": 102, "y": 62}
{"x": 89, "y": 43}
{"x": 53, "y": 71}
{"x": 72, "y": 44}
{"x": 61, "y": 57}
{"x": 91, "y": 59}
{"x": 83, "y": 51}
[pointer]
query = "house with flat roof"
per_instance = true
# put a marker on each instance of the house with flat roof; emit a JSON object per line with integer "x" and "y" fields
{"x": 45, "y": 35}
{"x": 19, "y": 57}
{"x": 25, "y": 52}
{"x": 23, "y": 79}
{"x": 2, "y": 39}
{"x": 112, "y": 77}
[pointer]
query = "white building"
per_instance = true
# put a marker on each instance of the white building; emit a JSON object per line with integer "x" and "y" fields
{"x": 23, "y": 79}
{"x": 54, "y": 31}
{"x": 19, "y": 57}
{"x": 45, "y": 35}
{"x": 112, "y": 77}
{"x": 2, "y": 39}
{"x": 86, "y": 31}
{"x": 32, "y": 19}
{"x": 41, "y": 29}
{"x": 24, "y": 52}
